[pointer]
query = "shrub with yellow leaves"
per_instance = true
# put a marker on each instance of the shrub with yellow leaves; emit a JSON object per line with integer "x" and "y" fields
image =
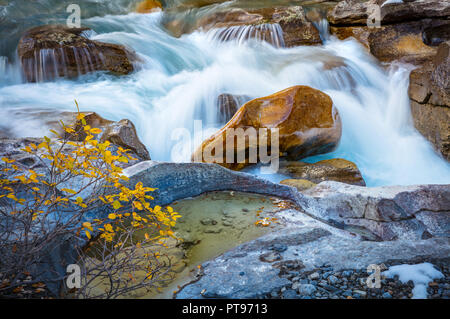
{"x": 78, "y": 194}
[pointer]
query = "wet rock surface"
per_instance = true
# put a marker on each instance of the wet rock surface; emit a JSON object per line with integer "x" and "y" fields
{"x": 308, "y": 124}
{"x": 406, "y": 31}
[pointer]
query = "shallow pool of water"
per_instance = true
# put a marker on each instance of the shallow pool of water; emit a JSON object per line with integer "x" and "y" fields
{"x": 212, "y": 224}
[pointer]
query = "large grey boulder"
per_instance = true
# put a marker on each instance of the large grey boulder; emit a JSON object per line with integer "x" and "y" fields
{"x": 176, "y": 181}
{"x": 389, "y": 213}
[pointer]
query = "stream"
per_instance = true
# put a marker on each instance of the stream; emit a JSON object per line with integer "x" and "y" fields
{"x": 178, "y": 80}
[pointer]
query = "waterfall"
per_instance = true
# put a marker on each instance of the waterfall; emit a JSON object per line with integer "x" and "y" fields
{"x": 182, "y": 78}
{"x": 269, "y": 32}
{"x": 49, "y": 64}
{"x": 9, "y": 73}
{"x": 323, "y": 27}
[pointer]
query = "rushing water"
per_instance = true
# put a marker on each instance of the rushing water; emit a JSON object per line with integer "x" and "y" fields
{"x": 179, "y": 80}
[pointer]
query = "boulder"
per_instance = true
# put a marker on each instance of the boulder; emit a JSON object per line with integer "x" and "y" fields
{"x": 387, "y": 213}
{"x": 336, "y": 169}
{"x": 148, "y": 6}
{"x": 429, "y": 92}
{"x": 307, "y": 121}
{"x": 51, "y": 51}
{"x": 175, "y": 181}
{"x": 407, "y": 31}
{"x": 121, "y": 133}
{"x": 402, "y": 42}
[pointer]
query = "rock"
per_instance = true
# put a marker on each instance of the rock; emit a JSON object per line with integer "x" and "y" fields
{"x": 429, "y": 92}
{"x": 406, "y": 31}
{"x": 122, "y": 133}
{"x": 332, "y": 280}
{"x": 50, "y": 51}
{"x": 307, "y": 121}
{"x": 388, "y": 213}
{"x": 296, "y": 29}
{"x": 336, "y": 169}
{"x": 360, "y": 292}
{"x": 279, "y": 248}
{"x": 290, "y": 294}
{"x": 386, "y": 295}
{"x": 393, "y": 42}
{"x": 174, "y": 181}
{"x": 354, "y": 12}
{"x": 148, "y": 6}
{"x": 306, "y": 289}
{"x": 314, "y": 276}
{"x": 300, "y": 184}
{"x": 270, "y": 257}
{"x": 208, "y": 221}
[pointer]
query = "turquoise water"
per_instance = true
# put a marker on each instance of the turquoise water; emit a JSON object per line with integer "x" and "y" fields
{"x": 178, "y": 80}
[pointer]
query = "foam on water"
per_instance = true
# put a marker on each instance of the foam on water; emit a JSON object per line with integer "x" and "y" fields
{"x": 180, "y": 79}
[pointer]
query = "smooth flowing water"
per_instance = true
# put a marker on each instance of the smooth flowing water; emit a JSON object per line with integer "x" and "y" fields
{"x": 179, "y": 79}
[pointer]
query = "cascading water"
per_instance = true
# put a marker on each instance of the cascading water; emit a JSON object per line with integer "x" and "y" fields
{"x": 181, "y": 78}
{"x": 269, "y": 32}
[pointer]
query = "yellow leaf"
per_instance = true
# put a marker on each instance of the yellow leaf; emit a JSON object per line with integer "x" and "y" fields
{"x": 7, "y": 160}
{"x": 88, "y": 234}
{"x": 95, "y": 130}
{"x": 116, "y": 204}
{"x": 112, "y": 216}
{"x": 88, "y": 226}
{"x": 68, "y": 190}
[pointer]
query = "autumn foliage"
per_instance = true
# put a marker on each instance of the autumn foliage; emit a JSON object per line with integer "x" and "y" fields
{"x": 79, "y": 193}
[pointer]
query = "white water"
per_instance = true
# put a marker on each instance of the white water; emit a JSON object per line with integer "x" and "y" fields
{"x": 180, "y": 79}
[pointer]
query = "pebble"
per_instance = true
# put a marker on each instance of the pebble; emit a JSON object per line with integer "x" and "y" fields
{"x": 386, "y": 295}
{"x": 332, "y": 280}
{"x": 290, "y": 294}
{"x": 314, "y": 276}
{"x": 306, "y": 289}
{"x": 208, "y": 221}
{"x": 360, "y": 292}
{"x": 270, "y": 257}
